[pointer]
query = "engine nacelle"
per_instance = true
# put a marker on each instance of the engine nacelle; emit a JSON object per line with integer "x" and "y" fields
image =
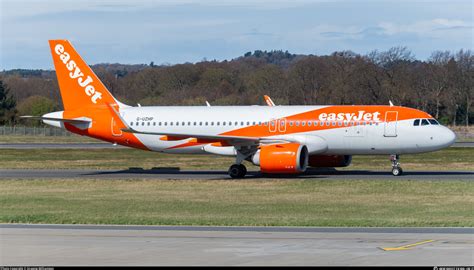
{"x": 329, "y": 160}
{"x": 282, "y": 158}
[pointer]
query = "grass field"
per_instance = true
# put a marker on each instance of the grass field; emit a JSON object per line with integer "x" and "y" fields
{"x": 123, "y": 158}
{"x": 258, "y": 202}
{"x": 245, "y": 202}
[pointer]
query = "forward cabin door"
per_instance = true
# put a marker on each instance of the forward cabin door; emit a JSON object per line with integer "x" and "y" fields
{"x": 390, "y": 129}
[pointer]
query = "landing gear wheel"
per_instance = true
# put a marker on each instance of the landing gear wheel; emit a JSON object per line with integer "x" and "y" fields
{"x": 237, "y": 171}
{"x": 397, "y": 171}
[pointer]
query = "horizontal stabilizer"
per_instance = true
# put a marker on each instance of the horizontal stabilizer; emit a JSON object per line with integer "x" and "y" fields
{"x": 72, "y": 121}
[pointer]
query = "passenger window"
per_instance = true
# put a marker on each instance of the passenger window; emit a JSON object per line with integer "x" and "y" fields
{"x": 230, "y": 123}
{"x": 131, "y": 123}
{"x": 433, "y": 122}
{"x": 291, "y": 123}
{"x": 154, "y": 123}
{"x": 159, "y": 123}
{"x": 212, "y": 123}
{"x": 137, "y": 123}
{"x": 424, "y": 122}
{"x": 166, "y": 123}
{"x": 259, "y": 123}
{"x": 416, "y": 122}
{"x": 327, "y": 124}
{"x": 309, "y": 123}
{"x": 148, "y": 123}
{"x": 207, "y": 123}
{"x": 171, "y": 123}
{"x": 303, "y": 123}
{"x": 254, "y": 123}
{"x": 297, "y": 123}
{"x": 177, "y": 123}
{"x": 189, "y": 123}
{"x": 340, "y": 124}
{"x": 183, "y": 123}
{"x": 143, "y": 123}
{"x": 248, "y": 123}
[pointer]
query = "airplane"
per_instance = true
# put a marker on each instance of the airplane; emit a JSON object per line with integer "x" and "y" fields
{"x": 278, "y": 139}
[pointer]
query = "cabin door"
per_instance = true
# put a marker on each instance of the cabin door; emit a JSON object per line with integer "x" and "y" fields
{"x": 390, "y": 129}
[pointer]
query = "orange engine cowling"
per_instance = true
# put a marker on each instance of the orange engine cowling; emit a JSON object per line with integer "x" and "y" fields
{"x": 330, "y": 160}
{"x": 282, "y": 158}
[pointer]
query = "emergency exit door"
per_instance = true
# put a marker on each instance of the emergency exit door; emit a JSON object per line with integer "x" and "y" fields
{"x": 390, "y": 129}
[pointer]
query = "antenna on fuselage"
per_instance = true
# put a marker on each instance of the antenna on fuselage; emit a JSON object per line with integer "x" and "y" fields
{"x": 391, "y": 104}
{"x": 207, "y": 104}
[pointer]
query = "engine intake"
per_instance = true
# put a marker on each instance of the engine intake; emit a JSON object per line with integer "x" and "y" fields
{"x": 282, "y": 158}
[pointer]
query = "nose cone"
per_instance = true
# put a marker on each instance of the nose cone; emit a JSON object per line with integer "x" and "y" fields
{"x": 447, "y": 137}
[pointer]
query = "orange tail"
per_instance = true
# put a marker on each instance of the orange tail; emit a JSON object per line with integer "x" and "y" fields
{"x": 78, "y": 84}
{"x": 88, "y": 105}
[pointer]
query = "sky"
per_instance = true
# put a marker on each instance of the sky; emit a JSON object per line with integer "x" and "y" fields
{"x": 180, "y": 31}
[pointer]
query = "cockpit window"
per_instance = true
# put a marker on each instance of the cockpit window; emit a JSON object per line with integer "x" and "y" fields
{"x": 416, "y": 122}
{"x": 433, "y": 122}
{"x": 424, "y": 122}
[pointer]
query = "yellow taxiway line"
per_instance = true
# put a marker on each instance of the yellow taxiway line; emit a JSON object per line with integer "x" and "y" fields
{"x": 405, "y": 247}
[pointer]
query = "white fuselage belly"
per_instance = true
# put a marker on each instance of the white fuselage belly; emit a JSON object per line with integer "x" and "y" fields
{"x": 368, "y": 138}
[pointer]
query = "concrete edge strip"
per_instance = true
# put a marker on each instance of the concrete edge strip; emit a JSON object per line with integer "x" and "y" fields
{"x": 447, "y": 230}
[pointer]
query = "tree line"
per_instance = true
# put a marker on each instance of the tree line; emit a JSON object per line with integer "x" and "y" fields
{"x": 442, "y": 85}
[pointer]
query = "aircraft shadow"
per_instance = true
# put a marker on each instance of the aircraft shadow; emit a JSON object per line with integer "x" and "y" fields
{"x": 310, "y": 173}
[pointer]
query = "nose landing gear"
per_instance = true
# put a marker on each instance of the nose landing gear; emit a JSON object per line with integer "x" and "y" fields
{"x": 396, "y": 169}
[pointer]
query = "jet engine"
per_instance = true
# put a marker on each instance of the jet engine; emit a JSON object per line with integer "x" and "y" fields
{"x": 282, "y": 158}
{"x": 329, "y": 160}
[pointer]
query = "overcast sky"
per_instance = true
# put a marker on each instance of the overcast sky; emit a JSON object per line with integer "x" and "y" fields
{"x": 140, "y": 31}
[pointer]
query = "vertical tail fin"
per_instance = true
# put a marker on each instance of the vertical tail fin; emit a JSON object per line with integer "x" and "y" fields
{"x": 78, "y": 84}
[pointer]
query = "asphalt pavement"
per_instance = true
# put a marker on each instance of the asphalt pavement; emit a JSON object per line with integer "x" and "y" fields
{"x": 176, "y": 173}
{"x": 101, "y": 245}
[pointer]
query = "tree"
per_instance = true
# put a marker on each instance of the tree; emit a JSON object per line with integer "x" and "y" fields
{"x": 438, "y": 76}
{"x": 269, "y": 80}
{"x": 36, "y": 105}
{"x": 308, "y": 82}
{"x": 7, "y": 105}
{"x": 465, "y": 80}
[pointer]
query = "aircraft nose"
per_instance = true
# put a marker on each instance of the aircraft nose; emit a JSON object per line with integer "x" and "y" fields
{"x": 448, "y": 137}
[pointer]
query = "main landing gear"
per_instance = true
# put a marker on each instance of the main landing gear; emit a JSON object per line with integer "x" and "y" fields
{"x": 237, "y": 171}
{"x": 396, "y": 169}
